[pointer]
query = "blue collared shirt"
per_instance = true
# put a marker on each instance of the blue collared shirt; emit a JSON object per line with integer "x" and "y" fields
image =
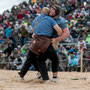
{"x": 45, "y": 25}
{"x": 62, "y": 23}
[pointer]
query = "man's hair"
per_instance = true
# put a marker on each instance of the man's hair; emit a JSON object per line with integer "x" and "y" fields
{"x": 45, "y": 10}
{"x": 57, "y": 9}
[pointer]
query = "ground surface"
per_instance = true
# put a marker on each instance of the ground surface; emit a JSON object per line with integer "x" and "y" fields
{"x": 9, "y": 80}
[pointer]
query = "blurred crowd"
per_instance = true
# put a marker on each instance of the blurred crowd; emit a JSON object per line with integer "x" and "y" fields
{"x": 16, "y": 33}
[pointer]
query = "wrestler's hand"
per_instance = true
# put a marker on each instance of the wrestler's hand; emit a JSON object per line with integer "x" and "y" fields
{"x": 53, "y": 40}
{"x": 33, "y": 35}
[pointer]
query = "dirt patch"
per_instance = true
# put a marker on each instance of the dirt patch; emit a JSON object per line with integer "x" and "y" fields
{"x": 9, "y": 80}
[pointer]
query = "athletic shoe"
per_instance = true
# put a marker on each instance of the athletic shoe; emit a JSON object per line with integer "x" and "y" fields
{"x": 38, "y": 76}
{"x": 55, "y": 80}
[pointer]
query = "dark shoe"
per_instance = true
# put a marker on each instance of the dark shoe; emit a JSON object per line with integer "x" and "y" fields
{"x": 40, "y": 81}
{"x": 45, "y": 81}
{"x": 19, "y": 73}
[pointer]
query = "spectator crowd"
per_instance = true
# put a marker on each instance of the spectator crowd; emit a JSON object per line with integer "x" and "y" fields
{"x": 16, "y": 33}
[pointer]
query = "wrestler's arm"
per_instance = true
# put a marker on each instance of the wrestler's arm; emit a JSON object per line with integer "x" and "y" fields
{"x": 58, "y": 29}
{"x": 64, "y": 35}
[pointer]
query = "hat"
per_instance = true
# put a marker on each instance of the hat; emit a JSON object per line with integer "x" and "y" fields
{"x": 16, "y": 22}
{"x": 0, "y": 50}
{"x": 19, "y": 46}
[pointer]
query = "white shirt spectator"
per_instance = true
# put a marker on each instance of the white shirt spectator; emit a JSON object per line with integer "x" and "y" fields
{"x": 29, "y": 28}
{"x": 81, "y": 43}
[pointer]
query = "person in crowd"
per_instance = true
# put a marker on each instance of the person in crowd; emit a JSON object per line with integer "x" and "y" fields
{"x": 72, "y": 62}
{"x": 8, "y": 31}
{"x": 9, "y": 49}
{"x": 18, "y": 62}
{"x": 23, "y": 32}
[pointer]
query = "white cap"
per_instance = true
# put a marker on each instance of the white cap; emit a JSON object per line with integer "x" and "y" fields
{"x": 19, "y": 46}
{"x": 0, "y": 50}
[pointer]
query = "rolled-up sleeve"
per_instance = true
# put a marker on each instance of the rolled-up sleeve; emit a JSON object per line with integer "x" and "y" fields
{"x": 62, "y": 23}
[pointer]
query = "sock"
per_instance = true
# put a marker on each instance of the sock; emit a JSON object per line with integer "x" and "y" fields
{"x": 54, "y": 76}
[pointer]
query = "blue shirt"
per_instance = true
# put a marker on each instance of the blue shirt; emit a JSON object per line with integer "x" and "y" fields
{"x": 62, "y": 23}
{"x": 45, "y": 25}
{"x": 1, "y": 41}
{"x": 71, "y": 50}
{"x": 8, "y": 32}
{"x": 73, "y": 62}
